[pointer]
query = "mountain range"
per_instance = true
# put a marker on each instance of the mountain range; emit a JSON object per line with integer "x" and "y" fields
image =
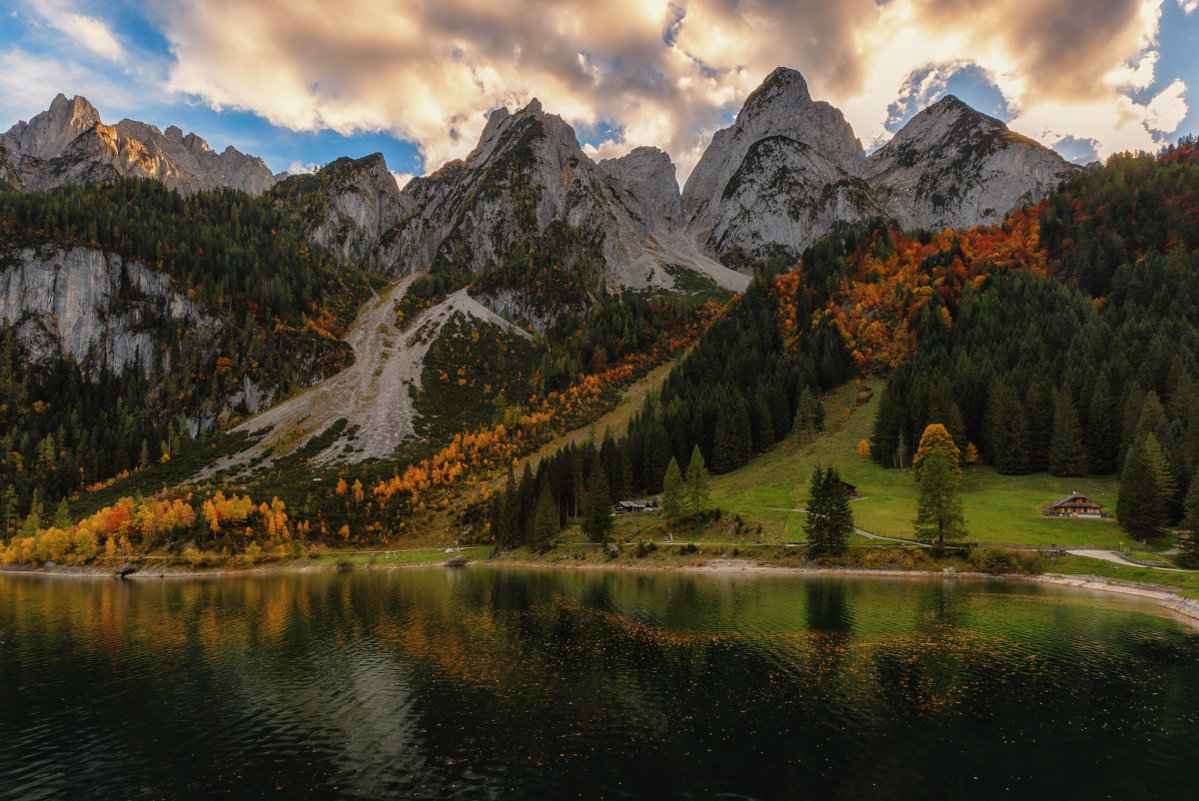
{"x": 528, "y": 224}
{"x": 786, "y": 171}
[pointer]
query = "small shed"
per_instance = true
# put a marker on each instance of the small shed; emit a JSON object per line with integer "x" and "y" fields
{"x": 850, "y": 489}
{"x": 627, "y": 507}
{"x": 1074, "y": 505}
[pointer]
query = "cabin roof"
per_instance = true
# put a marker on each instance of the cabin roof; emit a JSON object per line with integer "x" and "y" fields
{"x": 1074, "y": 498}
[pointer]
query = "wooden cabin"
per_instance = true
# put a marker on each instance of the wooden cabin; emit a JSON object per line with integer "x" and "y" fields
{"x": 629, "y": 507}
{"x": 1074, "y": 505}
{"x": 850, "y": 490}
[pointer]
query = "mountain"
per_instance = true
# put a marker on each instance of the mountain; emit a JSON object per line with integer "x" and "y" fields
{"x": 69, "y": 144}
{"x": 350, "y": 207}
{"x": 781, "y": 176}
{"x": 526, "y": 199}
{"x": 953, "y": 167}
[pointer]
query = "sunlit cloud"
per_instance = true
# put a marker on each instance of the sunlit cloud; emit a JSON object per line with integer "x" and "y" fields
{"x": 668, "y": 73}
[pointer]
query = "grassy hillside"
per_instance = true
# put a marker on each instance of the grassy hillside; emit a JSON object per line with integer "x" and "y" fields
{"x": 998, "y": 509}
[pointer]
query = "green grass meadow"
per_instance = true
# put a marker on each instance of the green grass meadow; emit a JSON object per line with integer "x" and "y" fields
{"x": 998, "y": 509}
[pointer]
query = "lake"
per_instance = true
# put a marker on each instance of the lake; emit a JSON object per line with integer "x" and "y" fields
{"x": 543, "y": 684}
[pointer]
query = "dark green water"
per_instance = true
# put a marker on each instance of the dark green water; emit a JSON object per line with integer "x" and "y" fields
{"x": 553, "y": 685}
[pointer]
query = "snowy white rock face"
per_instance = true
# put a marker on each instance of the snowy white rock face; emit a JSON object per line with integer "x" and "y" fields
{"x": 953, "y": 167}
{"x": 69, "y": 144}
{"x": 89, "y": 305}
{"x": 780, "y": 177}
{"x": 362, "y": 204}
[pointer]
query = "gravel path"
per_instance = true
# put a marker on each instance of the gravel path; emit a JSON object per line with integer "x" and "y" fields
{"x": 1112, "y": 556}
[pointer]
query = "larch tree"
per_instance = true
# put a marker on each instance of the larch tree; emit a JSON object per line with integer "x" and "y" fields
{"x": 698, "y": 483}
{"x": 673, "y": 491}
{"x": 938, "y": 507}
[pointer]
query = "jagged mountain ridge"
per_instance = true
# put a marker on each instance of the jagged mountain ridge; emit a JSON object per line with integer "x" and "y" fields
{"x": 953, "y": 167}
{"x": 69, "y": 144}
{"x": 779, "y": 177}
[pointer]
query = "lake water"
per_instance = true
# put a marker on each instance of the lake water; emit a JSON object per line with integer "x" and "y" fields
{"x": 482, "y": 683}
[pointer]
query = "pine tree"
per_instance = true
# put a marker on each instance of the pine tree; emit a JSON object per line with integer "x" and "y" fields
{"x": 817, "y": 509}
{"x": 938, "y": 508}
{"x": 598, "y": 524}
{"x": 545, "y": 522}
{"x": 1188, "y": 543}
{"x": 809, "y": 415}
{"x": 1009, "y": 432}
{"x": 698, "y": 483}
{"x": 62, "y": 516}
{"x": 838, "y": 516}
{"x": 673, "y": 491}
{"x": 1139, "y": 505}
{"x": 829, "y": 520}
{"x": 1067, "y": 454}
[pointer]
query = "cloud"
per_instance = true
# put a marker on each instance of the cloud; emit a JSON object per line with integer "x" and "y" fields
{"x": 29, "y": 81}
{"x": 665, "y": 72}
{"x": 401, "y": 178}
{"x": 1188, "y": 5}
{"x": 89, "y": 32}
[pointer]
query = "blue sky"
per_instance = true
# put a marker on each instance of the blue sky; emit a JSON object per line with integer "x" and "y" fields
{"x": 291, "y": 82}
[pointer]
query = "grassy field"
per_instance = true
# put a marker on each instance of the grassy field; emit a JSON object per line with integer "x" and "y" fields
{"x": 998, "y": 509}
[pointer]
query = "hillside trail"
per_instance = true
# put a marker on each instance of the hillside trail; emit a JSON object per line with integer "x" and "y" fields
{"x": 374, "y": 395}
{"x": 1112, "y": 556}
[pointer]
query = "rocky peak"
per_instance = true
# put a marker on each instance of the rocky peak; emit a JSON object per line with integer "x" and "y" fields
{"x": 786, "y": 170}
{"x": 953, "y": 166}
{"x": 68, "y": 143}
{"x": 649, "y": 174}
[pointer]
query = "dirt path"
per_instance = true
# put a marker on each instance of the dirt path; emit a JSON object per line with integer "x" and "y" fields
{"x": 1112, "y": 556}
{"x": 865, "y": 534}
{"x": 375, "y": 393}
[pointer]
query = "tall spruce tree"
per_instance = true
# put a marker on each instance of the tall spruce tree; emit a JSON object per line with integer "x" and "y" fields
{"x": 1067, "y": 453}
{"x": 545, "y": 524}
{"x": 598, "y": 523}
{"x": 1188, "y": 542}
{"x": 829, "y": 521}
{"x": 1009, "y": 432}
{"x": 1140, "y": 506}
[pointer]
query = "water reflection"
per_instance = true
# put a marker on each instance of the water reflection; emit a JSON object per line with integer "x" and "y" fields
{"x": 478, "y": 683}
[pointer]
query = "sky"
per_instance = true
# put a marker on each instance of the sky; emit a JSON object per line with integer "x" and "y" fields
{"x": 302, "y": 82}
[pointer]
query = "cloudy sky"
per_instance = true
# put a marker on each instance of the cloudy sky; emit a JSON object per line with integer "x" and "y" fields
{"x": 301, "y": 82}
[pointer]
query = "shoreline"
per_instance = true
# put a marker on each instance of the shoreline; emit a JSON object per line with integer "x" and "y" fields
{"x": 1183, "y": 609}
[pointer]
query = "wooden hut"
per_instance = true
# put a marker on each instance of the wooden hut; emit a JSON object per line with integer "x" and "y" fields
{"x": 1074, "y": 505}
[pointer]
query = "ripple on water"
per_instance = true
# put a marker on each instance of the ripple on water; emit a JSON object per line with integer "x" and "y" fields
{"x": 480, "y": 684}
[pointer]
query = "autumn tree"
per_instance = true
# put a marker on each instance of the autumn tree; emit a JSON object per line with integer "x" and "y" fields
{"x": 864, "y": 449}
{"x": 938, "y": 507}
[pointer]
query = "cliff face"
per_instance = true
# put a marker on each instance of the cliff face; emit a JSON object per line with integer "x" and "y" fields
{"x": 779, "y": 177}
{"x": 350, "y": 207}
{"x": 953, "y": 167}
{"x": 68, "y": 144}
{"x": 90, "y": 306}
{"x": 527, "y": 172}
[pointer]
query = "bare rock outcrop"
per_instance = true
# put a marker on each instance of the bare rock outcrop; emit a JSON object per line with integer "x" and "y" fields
{"x": 953, "y": 167}
{"x": 649, "y": 175}
{"x": 780, "y": 177}
{"x": 68, "y": 144}
{"x": 351, "y": 207}
{"x": 90, "y": 305}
